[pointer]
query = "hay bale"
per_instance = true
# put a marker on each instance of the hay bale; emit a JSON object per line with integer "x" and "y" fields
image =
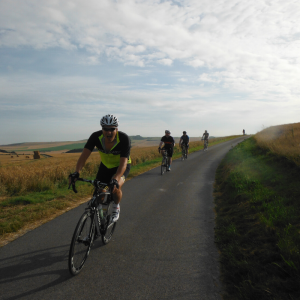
{"x": 36, "y": 155}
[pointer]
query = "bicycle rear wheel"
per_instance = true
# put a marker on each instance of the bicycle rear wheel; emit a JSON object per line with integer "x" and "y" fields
{"x": 164, "y": 166}
{"x": 81, "y": 243}
{"x": 183, "y": 153}
{"x": 109, "y": 226}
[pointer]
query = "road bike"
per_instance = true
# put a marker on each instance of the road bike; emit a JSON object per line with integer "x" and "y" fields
{"x": 205, "y": 145}
{"x": 165, "y": 162}
{"x": 96, "y": 221}
{"x": 184, "y": 152}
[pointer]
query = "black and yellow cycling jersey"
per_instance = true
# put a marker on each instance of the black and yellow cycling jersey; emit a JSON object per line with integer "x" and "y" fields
{"x": 110, "y": 158}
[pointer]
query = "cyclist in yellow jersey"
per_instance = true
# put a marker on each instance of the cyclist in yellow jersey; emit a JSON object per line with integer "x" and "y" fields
{"x": 114, "y": 149}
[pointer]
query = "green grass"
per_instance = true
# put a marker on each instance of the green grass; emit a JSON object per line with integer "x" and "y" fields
{"x": 19, "y": 210}
{"x": 258, "y": 223}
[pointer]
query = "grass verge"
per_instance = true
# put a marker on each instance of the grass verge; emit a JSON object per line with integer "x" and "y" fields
{"x": 258, "y": 224}
{"x": 28, "y": 208}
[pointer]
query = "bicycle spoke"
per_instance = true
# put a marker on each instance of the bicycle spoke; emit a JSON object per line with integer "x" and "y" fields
{"x": 81, "y": 243}
{"x": 109, "y": 226}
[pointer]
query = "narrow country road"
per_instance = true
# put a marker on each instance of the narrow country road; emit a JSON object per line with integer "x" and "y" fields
{"x": 163, "y": 247}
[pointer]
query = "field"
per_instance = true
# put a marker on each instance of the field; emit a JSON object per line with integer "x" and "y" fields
{"x": 60, "y": 147}
{"x": 21, "y": 175}
{"x": 257, "y": 195}
{"x": 282, "y": 140}
{"x": 35, "y": 190}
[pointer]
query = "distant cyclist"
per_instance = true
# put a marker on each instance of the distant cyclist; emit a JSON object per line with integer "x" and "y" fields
{"x": 244, "y": 133}
{"x": 169, "y": 144}
{"x": 114, "y": 150}
{"x": 184, "y": 140}
{"x": 205, "y": 136}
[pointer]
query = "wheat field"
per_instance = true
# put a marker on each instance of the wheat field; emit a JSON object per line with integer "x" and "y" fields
{"x": 18, "y": 175}
{"x": 281, "y": 140}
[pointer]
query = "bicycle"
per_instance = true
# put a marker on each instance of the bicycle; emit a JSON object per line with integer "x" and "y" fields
{"x": 205, "y": 145}
{"x": 165, "y": 162}
{"x": 184, "y": 152}
{"x": 93, "y": 223}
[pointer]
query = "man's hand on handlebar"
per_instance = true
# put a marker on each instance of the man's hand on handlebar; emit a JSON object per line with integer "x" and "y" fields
{"x": 115, "y": 184}
{"x": 159, "y": 149}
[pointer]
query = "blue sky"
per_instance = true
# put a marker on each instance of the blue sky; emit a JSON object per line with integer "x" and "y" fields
{"x": 179, "y": 65}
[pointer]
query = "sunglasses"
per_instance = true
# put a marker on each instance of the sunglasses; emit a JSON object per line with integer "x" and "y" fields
{"x": 109, "y": 129}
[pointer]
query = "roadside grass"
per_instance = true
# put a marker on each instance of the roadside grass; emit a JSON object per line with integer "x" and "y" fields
{"x": 36, "y": 190}
{"x": 282, "y": 141}
{"x": 258, "y": 224}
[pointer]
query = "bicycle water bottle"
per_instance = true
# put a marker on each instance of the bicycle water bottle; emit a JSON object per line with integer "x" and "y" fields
{"x": 100, "y": 210}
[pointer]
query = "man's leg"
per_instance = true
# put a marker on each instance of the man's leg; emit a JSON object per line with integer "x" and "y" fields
{"x": 118, "y": 193}
{"x": 170, "y": 153}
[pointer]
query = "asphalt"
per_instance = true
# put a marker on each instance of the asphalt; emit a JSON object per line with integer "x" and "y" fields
{"x": 163, "y": 246}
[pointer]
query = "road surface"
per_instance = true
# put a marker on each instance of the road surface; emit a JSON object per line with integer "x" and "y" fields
{"x": 163, "y": 246}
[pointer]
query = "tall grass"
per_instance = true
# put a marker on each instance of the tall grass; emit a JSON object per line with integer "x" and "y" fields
{"x": 41, "y": 175}
{"x": 282, "y": 140}
{"x": 51, "y": 173}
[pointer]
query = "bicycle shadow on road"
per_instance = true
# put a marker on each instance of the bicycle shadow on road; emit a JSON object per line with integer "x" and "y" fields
{"x": 13, "y": 268}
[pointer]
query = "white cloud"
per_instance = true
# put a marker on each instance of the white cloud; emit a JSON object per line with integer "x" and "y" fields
{"x": 165, "y": 61}
{"x": 249, "y": 49}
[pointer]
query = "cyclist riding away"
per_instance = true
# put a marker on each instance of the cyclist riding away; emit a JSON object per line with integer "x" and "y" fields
{"x": 184, "y": 140}
{"x": 114, "y": 150}
{"x": 169, "y": 144}
{"x": 205, "y": 136}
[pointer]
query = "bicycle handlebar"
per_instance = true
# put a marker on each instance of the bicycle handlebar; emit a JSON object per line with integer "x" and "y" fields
{"x": 94, "y": 182}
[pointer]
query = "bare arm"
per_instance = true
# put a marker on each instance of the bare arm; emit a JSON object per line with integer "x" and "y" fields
{"x": 82, "y": 159}
{"x": 121, "y": 169}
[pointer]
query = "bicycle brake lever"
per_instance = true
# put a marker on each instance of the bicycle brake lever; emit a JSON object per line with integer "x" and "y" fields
{"x": 73, "y": 187}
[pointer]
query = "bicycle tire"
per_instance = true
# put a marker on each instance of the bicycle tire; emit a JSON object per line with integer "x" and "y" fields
{"x": 183, "y": 153}
{"x": 163, "y": 166}
{"x": 110, "y": 227}
{"x": 81, "y": 243}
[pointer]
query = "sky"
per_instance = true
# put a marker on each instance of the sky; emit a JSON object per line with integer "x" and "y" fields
{"x": 194, "y": 65}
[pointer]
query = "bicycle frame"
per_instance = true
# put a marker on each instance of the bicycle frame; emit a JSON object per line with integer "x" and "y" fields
{"x": 92, "y": 224}
{"x": 166, "y": 157}
{"x": 106, "y": 199}
{"x": 184, "y": 151}
{"x": 205, "y": 144}
{"x": 165, "y": 161}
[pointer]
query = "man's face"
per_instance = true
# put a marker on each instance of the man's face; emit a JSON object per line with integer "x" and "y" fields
{"x": 109, "y": 132}
{"x": 184, "y": 133}
{"x": 167, "y": 134}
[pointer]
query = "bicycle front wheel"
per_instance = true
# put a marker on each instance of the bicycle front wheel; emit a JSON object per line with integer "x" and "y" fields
{"x": 163, "y": 166}
{"x": 109, "y": 226}
{"x": 81, "y": 244}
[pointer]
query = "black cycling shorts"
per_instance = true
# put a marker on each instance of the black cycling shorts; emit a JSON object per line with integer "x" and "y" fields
{"x": 169, "y": 150}
{"x": 105, "y": 175}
